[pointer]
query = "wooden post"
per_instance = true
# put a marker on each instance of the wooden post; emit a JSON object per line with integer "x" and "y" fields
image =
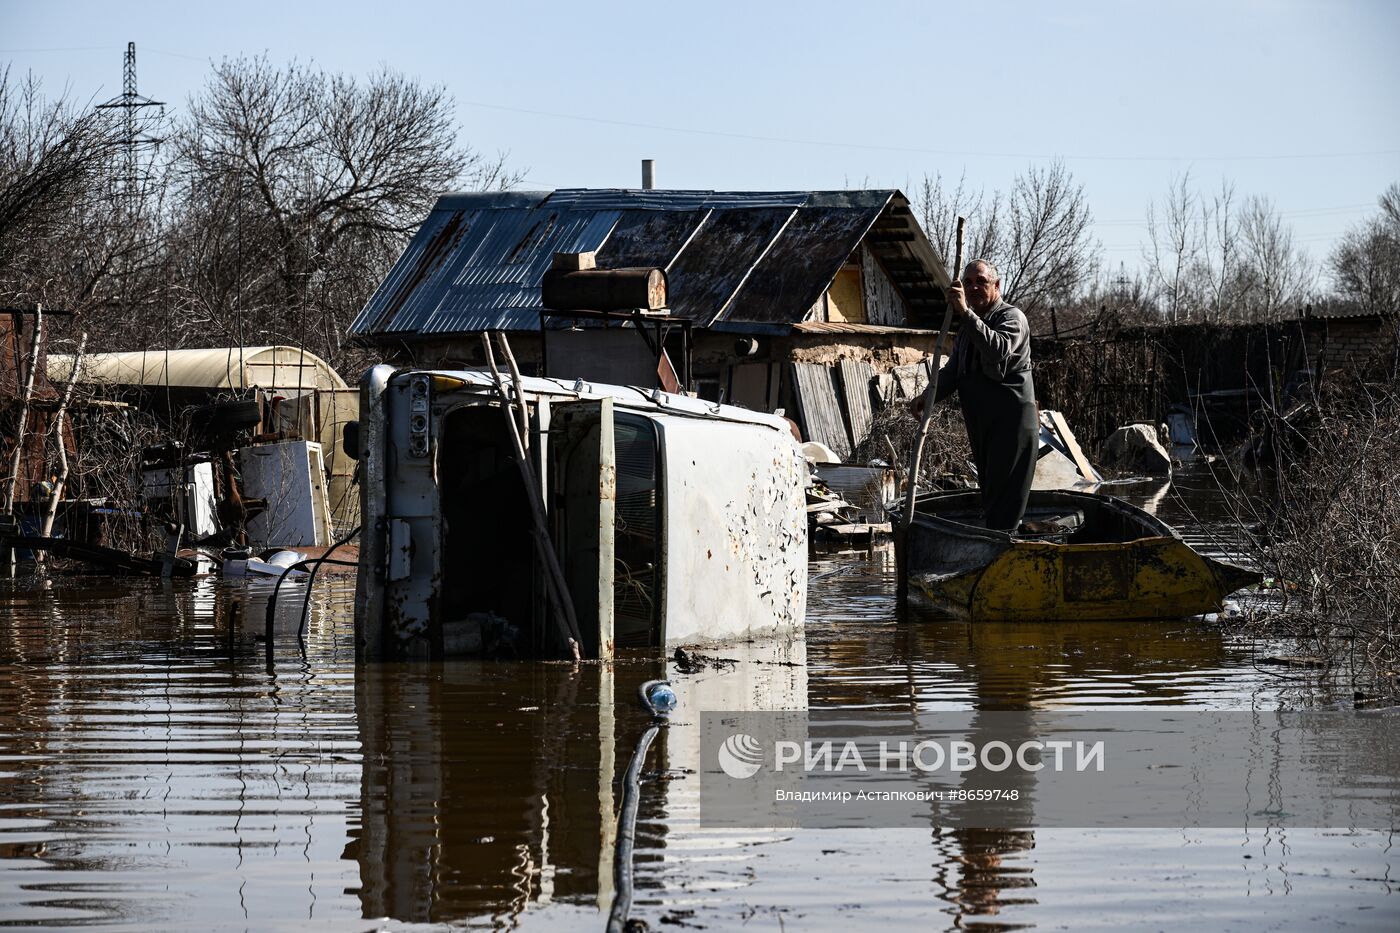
{"x": 555, "y": 585}
{"x": 906, "y": 519}
{"x": 47, "y": 528}
{"x": 519, "y": 385}
{"x": 17, "y": 458}
{"x": 23, "y": 424}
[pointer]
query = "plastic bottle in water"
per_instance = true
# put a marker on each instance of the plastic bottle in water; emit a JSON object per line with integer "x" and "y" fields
{"x": 662, "y": 699}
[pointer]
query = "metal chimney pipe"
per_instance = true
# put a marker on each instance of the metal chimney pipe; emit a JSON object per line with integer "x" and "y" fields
{"x": 648, "y": 174}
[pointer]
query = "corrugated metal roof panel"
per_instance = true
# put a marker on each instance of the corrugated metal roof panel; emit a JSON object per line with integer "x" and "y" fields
{"x": 716, "y": 261}
{"x": 637, "y": 199}
{"x": 490, "y": 200}
{"x": 468, "y": 270}
{"x": 759, "y": 258}
{"x": 801, "y": 264}
{"x": 649, "y": 238}
{"x": 832, "y": 327}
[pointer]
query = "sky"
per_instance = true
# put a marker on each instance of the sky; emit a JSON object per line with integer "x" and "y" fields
{"x": 1295, "y": 100}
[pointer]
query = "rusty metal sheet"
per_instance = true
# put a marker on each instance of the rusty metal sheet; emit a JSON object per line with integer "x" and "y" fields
{"x": 717, "y": 260}
{"x": 648, "y": 238}
{"x": 818, "y": 407}
{"x": 800, "y": 265}
{"x": 855, "y": 392}
{"x": 1098, "y": 575}
{"x": 471, "y": 270}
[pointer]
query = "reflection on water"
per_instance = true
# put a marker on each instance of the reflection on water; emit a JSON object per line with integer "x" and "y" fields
{"x": 162, "y": 772}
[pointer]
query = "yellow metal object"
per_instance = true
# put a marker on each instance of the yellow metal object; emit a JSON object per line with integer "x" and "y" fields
{"x": 1152, "y": 578}
{"x": 448, "y": 383}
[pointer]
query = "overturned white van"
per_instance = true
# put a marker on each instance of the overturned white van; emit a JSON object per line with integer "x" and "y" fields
{"x": 674, "y": 520}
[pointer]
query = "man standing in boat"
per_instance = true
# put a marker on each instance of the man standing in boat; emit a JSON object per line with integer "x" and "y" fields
{"x": 990, "y": 369}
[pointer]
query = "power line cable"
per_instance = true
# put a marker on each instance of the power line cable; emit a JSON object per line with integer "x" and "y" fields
{"x": 922, "y": 151}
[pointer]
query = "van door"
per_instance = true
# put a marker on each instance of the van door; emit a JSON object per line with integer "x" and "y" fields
{"x": 583, "y": 480}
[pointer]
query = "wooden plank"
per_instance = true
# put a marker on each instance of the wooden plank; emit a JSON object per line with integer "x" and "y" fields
{"x": 819, "y": 407}
{"x": 574, "y": 262}
{"x": 855, "y": 390}
{"x": 1066, "y": 435}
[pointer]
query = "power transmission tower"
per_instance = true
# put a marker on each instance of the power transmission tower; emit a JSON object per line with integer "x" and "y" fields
{"x": 1121, "y": 283}
{"x": 134, "y": 136}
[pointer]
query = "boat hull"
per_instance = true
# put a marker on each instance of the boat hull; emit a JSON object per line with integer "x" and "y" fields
{"x": 974, "y": 573}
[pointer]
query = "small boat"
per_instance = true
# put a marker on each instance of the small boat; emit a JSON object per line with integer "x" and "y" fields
{"x": 1091, "y": 557}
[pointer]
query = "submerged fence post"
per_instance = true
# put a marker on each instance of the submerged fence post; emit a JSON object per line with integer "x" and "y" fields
{"x": 47, "y": 528}
{"x": 18, "y": 456}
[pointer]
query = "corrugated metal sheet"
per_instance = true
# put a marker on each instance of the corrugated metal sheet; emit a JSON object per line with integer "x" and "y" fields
{"x": 844, "y": 327}
{"x": 866, "y": 488}
{"x": 717, "y": 260}
{"x": 477, "y": 262}
{"x": 855, "y": 392}
{"x": 801, "y": 264}
{"x": 818, "y": 408}
{"x": 649, "y": 238}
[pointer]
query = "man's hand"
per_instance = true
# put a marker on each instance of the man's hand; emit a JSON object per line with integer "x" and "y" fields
{"x": 916, "y": 406}
{"x": 953, "y": 294}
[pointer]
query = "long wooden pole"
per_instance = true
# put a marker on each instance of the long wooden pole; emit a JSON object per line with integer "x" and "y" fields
{"x": 23, "y": 425}
{"x": 47, "y": 528}
{"x": 15, "y": 460}
{"x": 518, "y": 384}
{"x": 916, "y": 455}
{"x": 555, "y": 584}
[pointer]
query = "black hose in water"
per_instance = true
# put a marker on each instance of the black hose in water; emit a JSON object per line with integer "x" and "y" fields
{"x": 658, "y": 702}
{"x": 314, "y": 563}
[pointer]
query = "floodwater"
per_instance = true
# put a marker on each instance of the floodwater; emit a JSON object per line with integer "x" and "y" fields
{"x": 162, "y": 770}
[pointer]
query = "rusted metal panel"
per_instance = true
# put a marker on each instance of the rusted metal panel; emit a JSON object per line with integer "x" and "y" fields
{"x": 818, "y": 408}
{"x": 649, "y": 238}
{"x": 800, "y": 265}
{"x": 855, "y": 392}
{"x": 717, "y": 260}
{"x": 1098, "y": 575}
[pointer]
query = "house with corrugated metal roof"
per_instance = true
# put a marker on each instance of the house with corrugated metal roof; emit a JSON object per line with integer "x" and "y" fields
{"x": 780, "y": 294}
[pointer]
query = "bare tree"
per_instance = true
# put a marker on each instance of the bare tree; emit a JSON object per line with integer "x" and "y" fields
{"x": 1365, "y": 265}
{"x": 939, "y": 206}
{"x": 1038, "y": 236}
{"x": 298, "y": 189}
{"x": 1221, "y": 273}
{"x": 55, "y": 168}
{"x": 1277, "y": 274}
{"x": 1176, "y": 234}
{"x": 1050, "y": 252}
{"x": 75, "y": 233}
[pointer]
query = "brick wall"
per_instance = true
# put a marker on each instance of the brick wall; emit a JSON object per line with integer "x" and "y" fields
{"x": 1353, "y": 340}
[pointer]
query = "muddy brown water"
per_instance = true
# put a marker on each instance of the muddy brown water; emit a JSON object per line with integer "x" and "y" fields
{"x": 161, "y": 772}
